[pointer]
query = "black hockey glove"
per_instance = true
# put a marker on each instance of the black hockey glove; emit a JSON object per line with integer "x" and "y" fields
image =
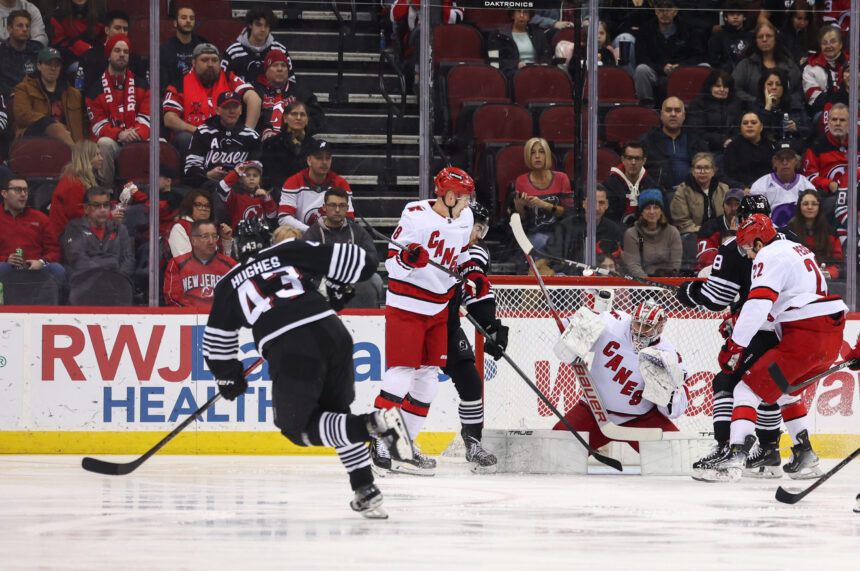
{"x": 689, "y": 292}
{"x": 498, "y": 341}
{"x": 338, "y": 294}
{"x": 231, "y": 379}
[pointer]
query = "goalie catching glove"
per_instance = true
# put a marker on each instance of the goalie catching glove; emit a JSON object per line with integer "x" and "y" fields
{"x": 664, "y": 380}
{"x": 231, "y": 379}
{"x": 580, "y": 335}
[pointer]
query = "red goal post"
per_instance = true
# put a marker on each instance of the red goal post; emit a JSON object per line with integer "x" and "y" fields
{"x": 510, "y": 404}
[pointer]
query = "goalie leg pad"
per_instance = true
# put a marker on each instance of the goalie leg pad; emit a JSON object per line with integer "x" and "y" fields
{"x": 580, "y": 336}
{"x": 674, "y": 454}
{"x": 537, "y": 451}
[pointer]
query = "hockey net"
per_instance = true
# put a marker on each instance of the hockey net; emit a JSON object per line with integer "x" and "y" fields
{"x": 511, "y": 404}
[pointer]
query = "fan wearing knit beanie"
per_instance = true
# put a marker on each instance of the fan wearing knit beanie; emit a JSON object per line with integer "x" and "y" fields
{"x": 652, "y": 247}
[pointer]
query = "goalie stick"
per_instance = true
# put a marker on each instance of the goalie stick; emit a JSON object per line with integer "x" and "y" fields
{"x": 781, "y": 382}
{"x": 583, "y": 377}
{"x": 786, "y": 497}
{"x": 527, "y": 247}
{"x": 121, "y": 469}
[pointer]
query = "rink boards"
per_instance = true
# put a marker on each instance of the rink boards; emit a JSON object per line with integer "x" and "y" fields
{"x": 112, "y": 382}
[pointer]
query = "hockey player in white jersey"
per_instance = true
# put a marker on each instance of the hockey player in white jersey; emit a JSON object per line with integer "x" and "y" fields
{"x": 788, "y": 289}
{"x": 416, "y": 306}
{"x": 641, "y": 378}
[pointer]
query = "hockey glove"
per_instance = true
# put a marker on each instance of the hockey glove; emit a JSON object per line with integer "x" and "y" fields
{"x": 728, "y": 325}
{"x": 338, "y": 294}
{"x": 479, "y": 278}
{"x": 414, "y": 256}
{"x": 730, "y": 356}
{"x": 689, "y": 292}
{"x": 854, "y": 355}
{"x": 231, "y": 380}
{"x": 498, "y": 341}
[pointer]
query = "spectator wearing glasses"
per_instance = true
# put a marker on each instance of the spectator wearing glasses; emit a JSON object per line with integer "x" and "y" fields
{"x": 94, "y": 241}
{"x": 197, "y": 205}
{"x": 190, "y": 279}
{"x": 784, "y": 185}
{"x": 626, "y": 181}
{"x": 27, "y": 229}
{"x": 764, "y": 54}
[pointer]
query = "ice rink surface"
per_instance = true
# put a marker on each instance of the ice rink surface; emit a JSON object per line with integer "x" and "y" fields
{"x": 262, "y": 512}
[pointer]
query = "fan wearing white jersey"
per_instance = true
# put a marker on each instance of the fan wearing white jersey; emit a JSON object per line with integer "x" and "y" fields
{"x": 416, "y": 305}
{"x": 622, "y": 345}
{"x": 787, "y": 289}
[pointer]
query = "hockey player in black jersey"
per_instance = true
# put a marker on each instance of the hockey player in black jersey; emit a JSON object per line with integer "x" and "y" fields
{"x": 730, "y": 280}
{"x": 308, "y": 349}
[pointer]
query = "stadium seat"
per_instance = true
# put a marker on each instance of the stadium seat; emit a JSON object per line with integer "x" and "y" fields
{"x": 509, "y": 163}
{"x": 488, "y": 19}
{"x": 136, "y": 10}
{"x": 614, "y": 85}
{"x": 208, "y": 10}
{"x": 556, "y": 124}
{"x": 499, "y": 123}
{"x": 542, "y": 84}
{"x": 30, "y": 288}
{"x": 474, "y": 83}
{"x": 222, "y": 31}
{"x": 686, "y": 82}
{"x": 606, "y": 159}
{"x": 457, "y": 43}
{"x": 565, "y": 34}
{"x": 629, "y": 123}
{"x": 133, "y": 161}
{"x": 138, "y": 33}
{"x": 39, "y": 157}
{"x": 101, "y": 287}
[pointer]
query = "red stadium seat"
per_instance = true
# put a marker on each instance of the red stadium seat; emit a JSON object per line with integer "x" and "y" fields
{"x": 474, "y": 83}
{"x": 509, "y": 164}
{"x": 686, "y": 82}
{"x": 606, "y": 159}
{"x": 556, "y": 124}
{"x": 629, "y": 123}
{"x": 221, "y": 32}
{"x": 488, "y": 19}
{"x": 543, "y": 85}
{"x": 133, "y": 161}
{"x": 614, "y": 85}
{"x": 566, "y": 34}
{"x": 457, "y": 43}
{"x": 39, "y": 157}
{"x": 500, "y": 123}
{"x": 135, "y": 10}
{"x": 138, "y": 33}
{"x": 207, "y": 9}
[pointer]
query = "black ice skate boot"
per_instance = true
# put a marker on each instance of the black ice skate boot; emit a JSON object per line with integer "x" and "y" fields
{"x": 730, "y": 466}
{"x": 484, "y": 462}
{"x": 368, "y": 502}
{"x": 803, "y": 464}
{"x": 718, "y": 451}
{"x": 764, "y": 462}
{"x": 419, "y": 465}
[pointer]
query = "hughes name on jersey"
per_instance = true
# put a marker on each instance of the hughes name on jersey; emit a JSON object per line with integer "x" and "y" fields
{"x": 427, "y": 290}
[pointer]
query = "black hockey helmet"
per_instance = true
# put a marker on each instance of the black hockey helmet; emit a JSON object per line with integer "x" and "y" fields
{"x": 482, "y": 216}
{"x": 753, "y": 204}
{"x": 251, "y": 237}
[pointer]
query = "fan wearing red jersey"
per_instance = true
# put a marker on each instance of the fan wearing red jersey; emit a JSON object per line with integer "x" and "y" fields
{"x": 416, "y": 306}
{"x": 241, "y": 192}
{"x": 788, "y": 289}
{"x": 190, "y": 279}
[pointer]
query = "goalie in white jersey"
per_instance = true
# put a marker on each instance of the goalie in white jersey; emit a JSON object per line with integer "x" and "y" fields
{"x": 789, "y": 290}
{"x": 641, "y": 378}
{"x": 416, "y": 305}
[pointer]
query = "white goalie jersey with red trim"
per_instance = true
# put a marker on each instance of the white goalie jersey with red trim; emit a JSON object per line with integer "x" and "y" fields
{"x": 427, "y": 290}
{"x": 615, "y": 368}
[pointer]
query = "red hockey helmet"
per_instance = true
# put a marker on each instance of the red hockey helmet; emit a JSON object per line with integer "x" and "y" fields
{"x": 454, "y": 179}
{"x": 757, "y": 226}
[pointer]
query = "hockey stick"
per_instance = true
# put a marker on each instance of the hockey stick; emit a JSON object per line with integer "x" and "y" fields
{"x": 120, "y": 469}
{"x": 583, "y": 377}
{"x": 785, "y": 387}
{"x": 527, "y": 247}
{"x": 786, "y": 497}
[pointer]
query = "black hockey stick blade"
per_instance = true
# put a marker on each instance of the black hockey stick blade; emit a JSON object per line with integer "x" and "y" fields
{"x": 783, "y": 385}
{"x": 786, "y": 497}
{"x": 120, "y": 469}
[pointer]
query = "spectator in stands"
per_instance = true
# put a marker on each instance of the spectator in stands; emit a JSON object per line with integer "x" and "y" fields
{"x": 521, "y": 44}
{"x": 652, "y": 247}
{"x": 799, "y": 32}
{"x": 773, "y": 103}
{"x": 748, "y": 156}
{"x": 197, "y": 205}
{"x": 810, "y": 224}
{"x": 94, "y": 241}
{"x": 79, "y": 175}
{"x": 715, "y": 230}
{"x": 303, "y": 194}
{"x": 286, "y": 153}
{"x": 838, "y": 13}
{"x": 569, "y": 234}
{"x": 37, "y": 23}
{"x": 244, "y": 197}
{"x": 549, "y": 19}
{"x": 175, "y": 53}
{"x": 246, "y": 55}
{"x": 825, "y": 163}
{"x": 18, "y": 52}
{"x": 662, "y": 45}
{"x": 823, "y": 72}
{"x": 95, "y": 60}
{"x": 765, "y": 54}
{"x": 727, "y": 46}
{"x": 190, "y": 279}
{"x": 219, "y": 144}
{"x": 118, "y": 106}
{"x": 715, "y": 115}
{"x": 607, "y": 54}
{"x": 671, "y": 147}
{"x": 188, "y": 102}
{"x": 137, "y": 215}
{"x": 541, "y": 196}
{"x": 276, "y": 92}
{"x": 46, "y": 105}
{"x": 76, "y": 26}
{"x": 338, "y": 228}
{"x": 625, "y": 182}
{"x": 783, "y": 186}
{"x": 27, "y": 229}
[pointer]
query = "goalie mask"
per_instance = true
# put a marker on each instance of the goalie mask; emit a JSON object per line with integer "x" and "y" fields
{"x": 647, "y": 324}
{"x": 251, "y": 237}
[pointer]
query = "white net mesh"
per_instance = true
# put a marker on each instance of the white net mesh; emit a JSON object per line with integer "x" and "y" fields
{"x": 510, "y": 403}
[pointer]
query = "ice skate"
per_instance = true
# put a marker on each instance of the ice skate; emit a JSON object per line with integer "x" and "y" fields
{"x": 368, "y": 502}
{"x": 484, "y": 462}
{"x": 389, "y": 431}
{"x": 380, "y": 458}
{"x": 803, "y": 464}
{"x": 716, "y": 452}
{"x": 730, "y": 466}
{"x": 764, "y": 462}
{"x": 419, "y": 465}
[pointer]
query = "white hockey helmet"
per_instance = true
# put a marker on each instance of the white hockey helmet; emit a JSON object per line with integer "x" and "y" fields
{"x": 647, "y": 324}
